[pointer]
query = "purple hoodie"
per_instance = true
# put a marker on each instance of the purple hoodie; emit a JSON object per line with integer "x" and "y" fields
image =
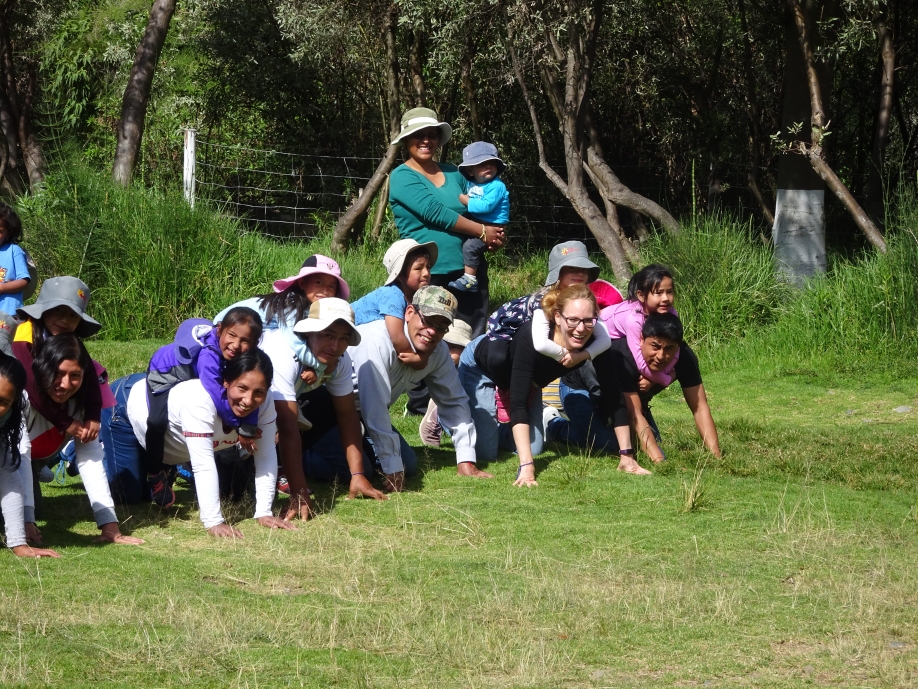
{"x": 195, "y": 353}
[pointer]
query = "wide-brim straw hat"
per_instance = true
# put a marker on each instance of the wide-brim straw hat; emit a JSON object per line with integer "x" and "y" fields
{"x": 422, "y": 118}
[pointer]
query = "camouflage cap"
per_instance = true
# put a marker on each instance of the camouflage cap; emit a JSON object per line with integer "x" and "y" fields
{"x": 435, "y": 301}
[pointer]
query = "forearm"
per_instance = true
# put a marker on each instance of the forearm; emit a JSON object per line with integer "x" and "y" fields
{"x": 704, "y": 422}
{"x": 265, "y": 471}
{"x": 642, "y": 427}
{"x": 206, "y": 479}
{"x": 349, "y": 430}
{"x": 95, "y": 481}
{"x": 11, "y": 504}
{"x": 396, "y": 329}
{"x": 290, "y": 445}
{"x": 601, "y": 341}
{"x": 12, "y": 287}
{"x": 521, "y": 440}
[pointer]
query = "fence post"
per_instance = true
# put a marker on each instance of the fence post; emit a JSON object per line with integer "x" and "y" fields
{"x": 188, "y": 166}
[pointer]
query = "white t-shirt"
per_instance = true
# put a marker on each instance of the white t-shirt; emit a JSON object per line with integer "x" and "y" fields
{"x": 196, "y": 431}
{"x": 287, "y": 370}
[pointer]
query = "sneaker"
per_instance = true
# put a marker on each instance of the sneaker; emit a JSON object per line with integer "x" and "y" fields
{"x": 302, "y": 422}
{"x": 45, "y": 475}
{"x": 430, "y": 430}
{"x": 548, "y": 414}
{"x": 502, "y": 397}
{"x": 163, "y": 495}
{"x": 283, "y": 486}
{"x": 184, "y": 472}
{"x": 467, "y": 283}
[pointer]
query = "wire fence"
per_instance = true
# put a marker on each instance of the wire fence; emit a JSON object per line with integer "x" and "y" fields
{"x": 289, "y": 195}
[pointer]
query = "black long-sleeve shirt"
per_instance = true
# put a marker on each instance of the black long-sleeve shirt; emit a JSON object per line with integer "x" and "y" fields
{"x": 517, "y": 366}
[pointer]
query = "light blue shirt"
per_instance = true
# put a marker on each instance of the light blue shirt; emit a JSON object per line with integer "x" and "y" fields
{"x": 387, "y": 300}
{"x": 490, "y": 202}
{"x": 12, "y": 267}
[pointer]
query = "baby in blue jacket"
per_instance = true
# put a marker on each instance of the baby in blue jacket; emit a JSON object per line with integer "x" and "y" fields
{"x": 488, "y": 201}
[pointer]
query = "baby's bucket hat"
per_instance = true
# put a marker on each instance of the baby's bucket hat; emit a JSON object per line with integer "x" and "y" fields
{"x": 569, "y": 254}
{"x": 67, "y": 291}
{"x": 477, "y": 153}
{"x": 421, "y": 118}
{"x": 394, "y": 260}
{"x": 317, "y": 263}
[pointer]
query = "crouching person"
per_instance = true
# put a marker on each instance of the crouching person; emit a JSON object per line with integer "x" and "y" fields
{"x": 195, "y": 432}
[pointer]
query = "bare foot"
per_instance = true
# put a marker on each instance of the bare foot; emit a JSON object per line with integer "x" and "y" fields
{"x": 471, "y": 469}
{"x": 630, "y": 466}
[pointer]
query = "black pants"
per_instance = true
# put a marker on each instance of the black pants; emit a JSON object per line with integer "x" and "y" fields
{"x": 474, "y": 309}
{"x": 157, "y": 425}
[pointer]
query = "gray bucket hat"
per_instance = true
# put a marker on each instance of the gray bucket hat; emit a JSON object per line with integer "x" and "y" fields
{"x": 569, "y": 255}
{"x": 477, "y": 153}
{"x": 64, "y": 291}
{"x": 422, "y": 118}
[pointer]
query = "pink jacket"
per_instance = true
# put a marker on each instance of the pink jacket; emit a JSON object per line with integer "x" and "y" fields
{"x": 626, "y": 320}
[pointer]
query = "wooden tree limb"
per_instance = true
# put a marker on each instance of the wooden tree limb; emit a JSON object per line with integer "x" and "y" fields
{"x": 344, "y": 228}
{"x": 875, "y": 201}
{"x": 137, "y": 92}
{"x": 812, "y": 76}
{"x": 380, "y": 214}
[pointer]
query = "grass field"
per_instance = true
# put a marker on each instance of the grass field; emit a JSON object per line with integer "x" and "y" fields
{"x": 789, "y": 563}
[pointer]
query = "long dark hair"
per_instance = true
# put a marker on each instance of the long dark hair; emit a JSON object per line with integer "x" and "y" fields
{"x": 52, "y": 353}
{"x": 647, "y": 279}
{"x": 11, "y": 431}
{"x": 12, "y": 223}
{"x": 252, "y": 360}
{"x": 280, "y": 305}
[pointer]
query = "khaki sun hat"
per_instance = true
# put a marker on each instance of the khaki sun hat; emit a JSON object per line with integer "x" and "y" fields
{"x": 324, "y": 313}
{"x": 394, "y": 260}
{"x": 421, "y": 118}
{"x": 459, "y": 334}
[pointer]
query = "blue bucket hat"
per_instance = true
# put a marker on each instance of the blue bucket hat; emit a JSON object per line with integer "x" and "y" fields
{"x": 477, "y": 153}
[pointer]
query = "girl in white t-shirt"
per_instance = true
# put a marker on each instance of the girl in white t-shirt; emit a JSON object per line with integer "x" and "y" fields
{"x": 195, "y": 432}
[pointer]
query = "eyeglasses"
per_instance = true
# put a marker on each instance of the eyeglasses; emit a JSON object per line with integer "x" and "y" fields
{"x": 429, "y": 133}
{"x": 572, "y": 323}
{"x": 440, "y": 329}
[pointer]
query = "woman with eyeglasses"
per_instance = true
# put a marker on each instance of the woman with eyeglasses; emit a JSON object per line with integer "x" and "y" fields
{"x": 572, "y": 314}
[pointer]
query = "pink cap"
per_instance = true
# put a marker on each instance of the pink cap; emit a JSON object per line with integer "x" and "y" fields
{"x": 316, "y": 263}
{"x": 108, "y": 397}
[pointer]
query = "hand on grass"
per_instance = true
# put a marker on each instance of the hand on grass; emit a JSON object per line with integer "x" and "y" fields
{"x": 33, "y": 535}
{"x": 526, "y": 477}
{"x": 394, "y": 483}
{"x": 112, "y": 534}
{"x": 276, "y": 523}
{"x": 301, "y": 506}
{"x": 224, "y": 530}
{"x": 29, "y": 551}
{"x": 361, "y": 487}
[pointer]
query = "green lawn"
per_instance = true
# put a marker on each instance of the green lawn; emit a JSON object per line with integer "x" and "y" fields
{"x": 797, "y": 569}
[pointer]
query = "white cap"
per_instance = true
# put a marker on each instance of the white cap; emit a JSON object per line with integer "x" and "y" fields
{"x": 324, "y": 313}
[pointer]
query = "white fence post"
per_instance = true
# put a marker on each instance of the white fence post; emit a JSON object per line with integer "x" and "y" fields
{"x": 188, "y": 167}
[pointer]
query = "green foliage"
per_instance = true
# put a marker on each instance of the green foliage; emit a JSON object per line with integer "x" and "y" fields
{"x": 150, "y": 260}
{"x": 725, "y": 279}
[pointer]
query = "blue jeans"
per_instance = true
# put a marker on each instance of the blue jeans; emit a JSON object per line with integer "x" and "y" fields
{"x": 585, "y": 428}
{"x": 491, "y": 435}
{"x": 124, "y": 460}
{"x": 325, "y": 460}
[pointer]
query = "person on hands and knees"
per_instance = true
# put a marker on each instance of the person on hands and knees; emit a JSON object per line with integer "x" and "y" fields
{"x": 327, "y": 331}
{"x": 661, "y": 341}
{"x": 382, "y": 377}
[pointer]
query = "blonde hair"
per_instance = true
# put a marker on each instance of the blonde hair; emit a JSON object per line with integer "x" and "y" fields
{"x": 556, "y": 300}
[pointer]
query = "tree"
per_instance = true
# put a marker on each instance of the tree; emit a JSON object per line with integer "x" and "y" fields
{"x": 137, "y": 93}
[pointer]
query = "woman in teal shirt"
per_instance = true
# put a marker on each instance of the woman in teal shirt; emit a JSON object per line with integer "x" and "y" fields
{"x": 424, "y": 197}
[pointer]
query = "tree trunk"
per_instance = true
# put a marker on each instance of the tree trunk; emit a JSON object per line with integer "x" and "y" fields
{"x": 393, "y": 97}
{"x": 381, "y": 206}
{"x": 754, "y": 123}
{"x": 137, "y": 93}
{"x": 875, "y": 200}
{"x": 345, "y": 229}
{"x": 415, "y": 61}
{"x": 813, "y": 150}
{"x": 32, "y": 155}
